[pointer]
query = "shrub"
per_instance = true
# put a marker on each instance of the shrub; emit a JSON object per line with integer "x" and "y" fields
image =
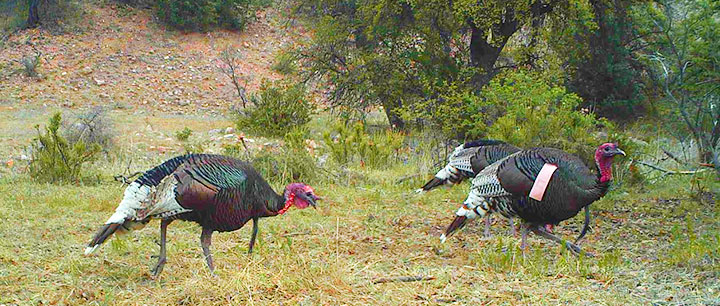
{"x": 285, "y": 63}
{"x": 30, "y": 64}
{"x": 527, "y": 110}
{"x": 202, "y": 15}
{"x": 54, "y": 159}
{"x": 59, "y": 15}
{"x": 373, "y": 150}
{"x": 183, "y": 134}
{"x": 92, "y": 127}
{"x": 291, "y": 161}
{"x": 278, "y": 108}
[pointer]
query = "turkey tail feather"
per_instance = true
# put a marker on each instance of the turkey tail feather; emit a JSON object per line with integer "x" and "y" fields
{"x": 102, "y": 234}
{"x": 435, "y": 182}
{"x": 109, "y": 229}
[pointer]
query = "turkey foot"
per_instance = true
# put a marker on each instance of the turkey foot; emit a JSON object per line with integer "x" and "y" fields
{"x": 162, "y": 258}
{"x": 540, "y": 231}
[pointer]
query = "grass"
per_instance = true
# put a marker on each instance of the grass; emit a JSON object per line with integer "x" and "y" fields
{"x": 654, "y": 246}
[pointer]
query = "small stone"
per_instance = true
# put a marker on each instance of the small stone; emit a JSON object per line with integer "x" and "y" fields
{"x": 214, "y": 132}
{"x": 228, "y": 136}
{"x": 99, "y": 82}
{"x": 184, "y": 103}
{"x": 86, "y": 70}
{"x": 229, "y": 130}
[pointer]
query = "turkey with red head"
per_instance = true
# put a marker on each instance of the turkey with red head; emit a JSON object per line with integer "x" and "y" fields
{"x": 466, "y": 161}
{"x": 218, "y": 192}
{"x": 541, "y": 186}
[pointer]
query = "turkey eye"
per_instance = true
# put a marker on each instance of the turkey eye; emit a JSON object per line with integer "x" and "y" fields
{"x": 308, "y": 194}
{"x": 607, "y": 148}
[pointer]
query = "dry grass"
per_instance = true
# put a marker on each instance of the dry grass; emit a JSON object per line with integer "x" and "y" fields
{"x": 657, "y": 245}
{"x": 367, "y": 228}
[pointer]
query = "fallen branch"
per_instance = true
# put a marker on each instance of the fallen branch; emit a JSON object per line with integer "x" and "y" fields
{"x": 403, "y": 279}
{"x": 707, "y": 165}
{"x": 405, "y": 178}
{"x": 672, "y": 156}
{"x": 666, "y": 171}
{"x": 295, "y": 234}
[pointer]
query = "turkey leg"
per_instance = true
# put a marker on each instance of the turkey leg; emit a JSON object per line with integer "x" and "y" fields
{"x": 487, "y": 226}
{"x": 512, "y": 227}
{"x": 205, "y": 238}
{"x": 254, "y": 234}
{"x": 523, "y": 236}
{"x": 162, "y": 258}
{"x": 540, "y": 231}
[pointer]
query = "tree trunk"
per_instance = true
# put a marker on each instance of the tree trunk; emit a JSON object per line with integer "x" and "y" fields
{"x": 396, "y": 122}
{"x": 33, "y": 19}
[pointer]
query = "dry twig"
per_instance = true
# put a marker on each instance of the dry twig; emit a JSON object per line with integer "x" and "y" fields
{"x": 403, "y": 279}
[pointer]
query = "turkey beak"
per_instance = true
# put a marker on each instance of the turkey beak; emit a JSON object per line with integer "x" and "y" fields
{"x": 314, "y": 198}
{"x": 619, "y": 152}
{"x": 457, "y": 224}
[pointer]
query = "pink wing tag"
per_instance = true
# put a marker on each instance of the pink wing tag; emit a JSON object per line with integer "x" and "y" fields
{"x": 541, "y": 182}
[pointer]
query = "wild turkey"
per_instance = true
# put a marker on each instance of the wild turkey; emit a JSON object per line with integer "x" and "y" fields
{"x": 466, "y": 161}
{"x": 218, "y": 192}
{"x": 541, "y": 186}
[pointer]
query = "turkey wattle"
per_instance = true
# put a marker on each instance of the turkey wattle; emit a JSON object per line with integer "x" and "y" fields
{"x": 218, "y": 192}
{"x": 540, "y": 186}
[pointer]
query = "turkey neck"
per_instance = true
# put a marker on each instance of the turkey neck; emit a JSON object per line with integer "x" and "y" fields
{"x": 604, "y": 176}
{"x": 283, "y": 204}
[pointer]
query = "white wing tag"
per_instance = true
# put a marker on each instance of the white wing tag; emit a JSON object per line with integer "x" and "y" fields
{"x": 541, "y": 181}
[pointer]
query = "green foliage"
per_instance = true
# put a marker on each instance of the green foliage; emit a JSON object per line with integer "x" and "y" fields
{"x": 203, "y": 15}
{"x": 602, "y": 68}
{"x": 278, "y": 108}
{"x": 347, "y": 144}
{"x": 285, "y": 63}
{"x": 683, "y": 39}
{"x": 183, "y": 134}
{"x": 532, "y": 112}
{"x": 54, "y": 159}
{"x": 289, "y": 162}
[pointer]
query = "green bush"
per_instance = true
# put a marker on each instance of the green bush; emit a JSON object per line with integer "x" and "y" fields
{"x": 203, "y": 15}
{"x": 377, "y": 150}
{"x": 54, "y": 159}
{"x": 183, "y": 134}
{"x": 285, "y": 63}
{"x": 277, "y": 109}
{"x": 289, "y": 162}
{"x": 527, "y": 110}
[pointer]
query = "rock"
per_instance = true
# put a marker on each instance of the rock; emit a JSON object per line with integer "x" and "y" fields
{"x": 228, "y": 136}
{"x": 229, "y": 130}
{"x": 214, "y": 132}
{"x": 86, "y": 70}
{"x": 184, "y": 103}
{"x": 99, "y": 82}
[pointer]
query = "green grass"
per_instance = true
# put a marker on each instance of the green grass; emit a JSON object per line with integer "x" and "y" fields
{"x": 655, "y": 246}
